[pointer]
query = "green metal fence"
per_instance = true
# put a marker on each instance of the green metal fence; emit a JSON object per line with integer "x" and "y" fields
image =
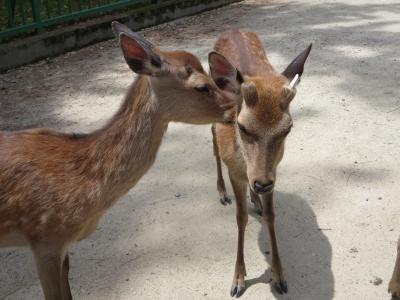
{"x": 24, "y": 16}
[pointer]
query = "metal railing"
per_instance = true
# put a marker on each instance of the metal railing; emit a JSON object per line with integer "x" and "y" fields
{"x": 24, "y": 16}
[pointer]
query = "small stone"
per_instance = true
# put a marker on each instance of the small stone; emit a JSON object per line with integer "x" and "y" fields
{"x": 178, "y": 195}
{"x": 353, "y": 250}
{"x": 376, "y": 281}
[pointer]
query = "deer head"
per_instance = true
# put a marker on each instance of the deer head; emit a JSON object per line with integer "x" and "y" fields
{"x": 188, "y": 94}
{"x": 264, "y": 120}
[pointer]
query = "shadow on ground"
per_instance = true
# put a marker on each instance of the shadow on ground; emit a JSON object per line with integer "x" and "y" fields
{"x": 354, "y": 39}
{"x": 304, "y": 250}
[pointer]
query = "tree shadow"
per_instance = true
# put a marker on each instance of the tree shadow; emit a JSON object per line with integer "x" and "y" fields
{"x": 356, "y": 40}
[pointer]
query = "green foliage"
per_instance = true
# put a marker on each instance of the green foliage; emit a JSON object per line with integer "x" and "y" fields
{"x": 20, "y": 12}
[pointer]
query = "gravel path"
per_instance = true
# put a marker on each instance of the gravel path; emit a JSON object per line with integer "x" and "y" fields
{"x": 337, "y": 201}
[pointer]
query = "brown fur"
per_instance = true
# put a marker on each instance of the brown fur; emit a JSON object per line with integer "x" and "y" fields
{"x": 253, "y": 157}
{"x": 55, "y": 187}
{"x": 184, "y": 58}
{"x": 394, "y": 284}
{"x": 268, "y": 109}
{"x": 245, "y": 50}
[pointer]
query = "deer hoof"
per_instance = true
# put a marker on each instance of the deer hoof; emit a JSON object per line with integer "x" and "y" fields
{"x": 225, "y": 200}
{"x": 237, "y": 290}
{"x": 394, "y": 289}
{"x": 281, "y": 287}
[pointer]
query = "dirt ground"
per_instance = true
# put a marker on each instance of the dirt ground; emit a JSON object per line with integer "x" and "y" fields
{"x": 337, "y": 207}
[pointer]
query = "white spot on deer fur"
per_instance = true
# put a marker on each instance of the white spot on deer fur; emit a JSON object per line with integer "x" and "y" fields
{"x": 44, "y": 218}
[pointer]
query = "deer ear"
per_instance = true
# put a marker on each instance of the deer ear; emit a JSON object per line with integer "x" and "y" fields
{"x": 297, "y": 65}
{"x": 224, "y": 74}
{"x": 138, "y": 52}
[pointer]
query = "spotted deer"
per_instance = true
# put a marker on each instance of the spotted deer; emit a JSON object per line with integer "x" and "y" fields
{"x": 394, "y": 284}
{"x": 253, "y": 146}
{"x": 55, "y": 187}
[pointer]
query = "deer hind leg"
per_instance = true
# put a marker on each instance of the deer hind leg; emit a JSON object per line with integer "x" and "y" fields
{"x": 278, "y": 278}
{"x": 223, "y": 197}
{"x": 64, "y": 279}
{"x": 394, "y": 284}
{"x": 240, "y": 189}
{"x": 255, "y": 199}
{"x": 53, "y": 265}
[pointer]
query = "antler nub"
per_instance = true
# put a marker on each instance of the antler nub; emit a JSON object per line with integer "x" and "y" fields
{"x": 294, "y": 82}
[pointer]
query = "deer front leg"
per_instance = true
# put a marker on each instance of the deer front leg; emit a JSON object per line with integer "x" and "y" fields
{"x": 239, "y": 189}
{"x": 255, "y": 199}
{"x": 278, "y": 278}
{"x": 53, "y": 265}
{"x": 394, "y": 284}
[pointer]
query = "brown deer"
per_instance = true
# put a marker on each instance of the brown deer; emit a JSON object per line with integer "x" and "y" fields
{"x": 394, "y": 284}
{"x": 55, "y": 187}
{"x": 253, "y": 147}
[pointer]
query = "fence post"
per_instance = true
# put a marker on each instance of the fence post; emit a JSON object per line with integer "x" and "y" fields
{"x": 11, "y": 12}
{"x": 36, "y": 14}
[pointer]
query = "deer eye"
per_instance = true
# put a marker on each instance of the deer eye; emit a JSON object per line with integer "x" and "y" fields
{"x": 202, "y": 89}
{"x": 242, "y": 128}
{"x": 247, "y": 135}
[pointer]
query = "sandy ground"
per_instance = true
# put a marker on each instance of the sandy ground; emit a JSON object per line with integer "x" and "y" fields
{"x": 170, "y": 238}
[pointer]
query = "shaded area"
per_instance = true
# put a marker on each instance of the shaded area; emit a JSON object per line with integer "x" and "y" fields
{"x": 304, "y": 249}
{"x": 354, "y": 39}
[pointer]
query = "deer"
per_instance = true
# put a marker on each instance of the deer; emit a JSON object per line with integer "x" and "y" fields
{"x": 55, "y": 187}
{"x": 252, "y": 147}
{"x": 394, "y": 284}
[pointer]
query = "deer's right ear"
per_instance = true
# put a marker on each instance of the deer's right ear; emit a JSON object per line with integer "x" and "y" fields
{"x": 138, "y": 52}
{"x": 224, "y": 74}
{"x": 296, "y": 67}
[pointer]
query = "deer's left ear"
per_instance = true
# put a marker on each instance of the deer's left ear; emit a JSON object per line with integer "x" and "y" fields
{"x": 296, "y": 67}
{"x": 224, "y": 74}
{"x": 139, "y": 53}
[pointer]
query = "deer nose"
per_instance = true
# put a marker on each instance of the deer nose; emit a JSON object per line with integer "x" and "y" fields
{"x": 261, "y": 188}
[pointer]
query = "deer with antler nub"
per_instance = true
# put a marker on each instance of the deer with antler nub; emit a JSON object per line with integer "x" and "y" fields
{"x": 253, "y": 146}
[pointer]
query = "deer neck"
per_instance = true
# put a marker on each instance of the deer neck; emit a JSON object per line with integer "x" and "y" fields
{"x": 126, "y": 148}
